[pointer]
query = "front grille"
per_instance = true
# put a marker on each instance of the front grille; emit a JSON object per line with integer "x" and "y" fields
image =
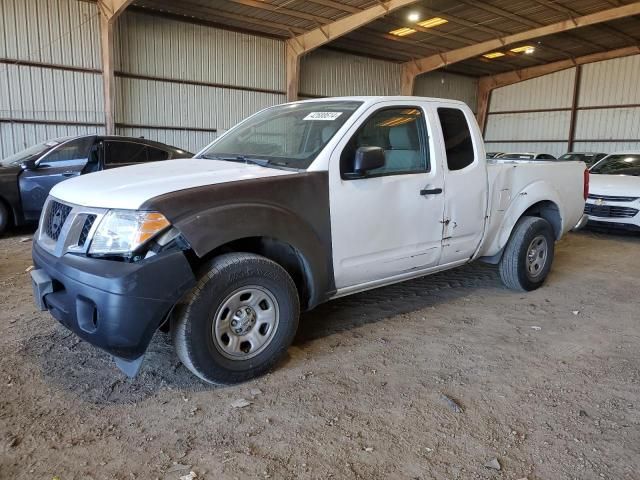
{"x": 610, "y": 198}
{"x": 86, "y": 228}
{"x": 56, "y": 216}
{"x": 609, "y": 211}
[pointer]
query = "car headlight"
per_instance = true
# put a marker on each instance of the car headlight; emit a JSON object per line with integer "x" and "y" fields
{"x": 124, "y": 231}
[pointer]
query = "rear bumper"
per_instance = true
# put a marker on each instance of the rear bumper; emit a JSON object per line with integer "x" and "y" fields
{"x": 115, "y": 306}
{"x": 582, "y": 223}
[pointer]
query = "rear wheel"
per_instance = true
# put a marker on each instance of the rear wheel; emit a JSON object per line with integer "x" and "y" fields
{"x": 238, "y": 321}
{"x": 529, "y": 254}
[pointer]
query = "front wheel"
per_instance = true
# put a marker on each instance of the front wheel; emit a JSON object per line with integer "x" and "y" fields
{"x": 527, "y": 259}
{"x": 238, "y": 321}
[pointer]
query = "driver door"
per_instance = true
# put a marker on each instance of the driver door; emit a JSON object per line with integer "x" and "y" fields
{"x": 65, "y": 161}
{"x": 388, "y": 223}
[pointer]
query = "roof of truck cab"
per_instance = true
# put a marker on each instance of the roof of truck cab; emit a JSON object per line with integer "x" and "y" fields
{"x": 371, "y": 99}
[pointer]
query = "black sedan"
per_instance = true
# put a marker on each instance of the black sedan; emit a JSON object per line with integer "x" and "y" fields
{"x": 27, "y": 177}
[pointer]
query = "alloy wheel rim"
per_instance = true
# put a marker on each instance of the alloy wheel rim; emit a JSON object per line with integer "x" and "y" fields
{"x": 245, "y": 323}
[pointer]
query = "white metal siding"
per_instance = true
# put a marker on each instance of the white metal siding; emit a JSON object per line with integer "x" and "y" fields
{"x": 608, "y": 124}
{"x": 330, "y": 74}
{"x": 157, "y": 47}
{"x": 607, "y": 147}
{"x": 171, "y": 52}
{"x": 529, "y": 126}
{"x": 164, "y": 104}
{"x": 35, "y": 93}
{"x": 550, "y": 91}
{"x": 62, "y": 32}
{"x": 450, "y": 86}
{"x": 612, "y": 82}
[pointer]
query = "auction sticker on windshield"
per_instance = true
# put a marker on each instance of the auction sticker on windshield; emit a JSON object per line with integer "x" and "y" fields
{"x": 326, "y": 116}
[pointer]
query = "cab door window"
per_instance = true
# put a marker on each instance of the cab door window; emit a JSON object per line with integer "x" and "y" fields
{"x": 401, "y": 132}
{"x": 457, "y": 138}
{"x": 123, "y": 153}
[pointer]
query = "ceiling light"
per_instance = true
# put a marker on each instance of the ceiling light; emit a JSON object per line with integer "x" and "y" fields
{"x": 528, "y": 49}
{"x": 493, "y": 55}
{"x": 414, "y": 17}
{"x": 433, "y": 22}
{"x": 401, "y": 32}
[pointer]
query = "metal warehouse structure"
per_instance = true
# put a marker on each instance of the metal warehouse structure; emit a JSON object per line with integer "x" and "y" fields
{"x": 541, "y": 74}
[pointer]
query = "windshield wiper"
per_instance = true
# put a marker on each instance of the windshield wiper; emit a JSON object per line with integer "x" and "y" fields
{"x": 238, "y": 159}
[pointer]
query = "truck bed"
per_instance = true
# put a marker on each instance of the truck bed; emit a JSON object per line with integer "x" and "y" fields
{"x": 514, "y": 183}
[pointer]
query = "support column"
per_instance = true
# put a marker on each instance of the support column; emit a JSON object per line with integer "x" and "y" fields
{"x": 108, "y": 77}
{"x": 574, "y": 109}
{"x": 292, "y": 64}
{"x": 408, "y": 76}
{"x": 109, "y": 12}
{"x": 484, "y": 97}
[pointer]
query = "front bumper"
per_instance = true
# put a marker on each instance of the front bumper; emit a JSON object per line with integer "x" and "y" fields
{"x": 613, "y": 215}
{"x": 113, "y": 305}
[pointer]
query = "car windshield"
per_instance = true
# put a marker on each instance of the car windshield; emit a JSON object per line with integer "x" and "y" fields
{"x": 290, "y": 135}
{"x": 618, "y": 165}
{"x": 33, "y": 152}
{"x": 517, "y": 156}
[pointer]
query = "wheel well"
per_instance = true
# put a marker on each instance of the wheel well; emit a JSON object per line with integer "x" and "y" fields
{"x": 550, "y": 212}
{"x": 284, "y": 254}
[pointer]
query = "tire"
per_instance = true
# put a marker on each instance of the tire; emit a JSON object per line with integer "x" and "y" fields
{"x": 4, "y": 217}
{"x": 251, "y": 291}
{"x": 528, "y": 256}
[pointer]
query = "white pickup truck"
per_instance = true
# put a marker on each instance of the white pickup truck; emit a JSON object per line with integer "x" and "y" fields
{"x": 299, "y": 204}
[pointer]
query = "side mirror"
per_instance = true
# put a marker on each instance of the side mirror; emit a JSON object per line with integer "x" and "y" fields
{"x": 29, "y": 164}
{"x": 367, "y": 158}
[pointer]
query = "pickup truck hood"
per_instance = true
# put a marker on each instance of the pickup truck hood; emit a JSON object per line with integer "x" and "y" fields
{"x": 131, "y": 187}
{"x": 614, "y": 185}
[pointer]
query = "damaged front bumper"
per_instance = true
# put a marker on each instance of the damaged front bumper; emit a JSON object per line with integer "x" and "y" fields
{"x": 113, "y": 305}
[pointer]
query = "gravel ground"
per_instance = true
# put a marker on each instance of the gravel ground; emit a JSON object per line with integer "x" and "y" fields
{"x": 548, "y": 384}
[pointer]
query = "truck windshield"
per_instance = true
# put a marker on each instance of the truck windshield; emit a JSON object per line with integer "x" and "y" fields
{"x": 34, "y": 152}
{"x": 290, "y": 135}
{"x": 618, "y": 165}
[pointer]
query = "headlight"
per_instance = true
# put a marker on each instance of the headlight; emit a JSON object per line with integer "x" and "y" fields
{"x": 123, "y": 231}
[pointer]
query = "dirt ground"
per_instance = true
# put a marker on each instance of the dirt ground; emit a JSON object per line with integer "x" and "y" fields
{"x": 549, "y": 384}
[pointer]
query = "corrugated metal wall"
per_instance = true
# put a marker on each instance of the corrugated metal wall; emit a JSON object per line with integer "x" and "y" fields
{"x": 39, "y": 99}
{"x": 327, "y": 73}
{"x": 175, "y": 75}
{"x": 612, "y": 83}
{"x": 535, "y": 114}
{"x": 522, "y": 117}
{"x": 448, "y": 85}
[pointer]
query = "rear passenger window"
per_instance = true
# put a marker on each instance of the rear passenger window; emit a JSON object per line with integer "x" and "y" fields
{"x": 157, "y": 154}
{"x": 124, "y": 152}
{"x": 457, "y": 138}
{"x": 401, "y": 133}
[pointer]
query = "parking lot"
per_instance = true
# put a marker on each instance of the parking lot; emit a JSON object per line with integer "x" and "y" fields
{"x": 548, "y": 384}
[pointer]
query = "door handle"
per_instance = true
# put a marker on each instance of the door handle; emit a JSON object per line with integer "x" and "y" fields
{"x": 432, "y": 191}
{"x": 68, "y": 174}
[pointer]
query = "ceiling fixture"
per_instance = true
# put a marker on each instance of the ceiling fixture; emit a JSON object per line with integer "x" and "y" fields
{"x": 401, "y": 32}
{"x": 433, "y": 22}
{"x": 528, "y": 49}
{"x": 493, "y": 55}
{"x": 413, "y": 17}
